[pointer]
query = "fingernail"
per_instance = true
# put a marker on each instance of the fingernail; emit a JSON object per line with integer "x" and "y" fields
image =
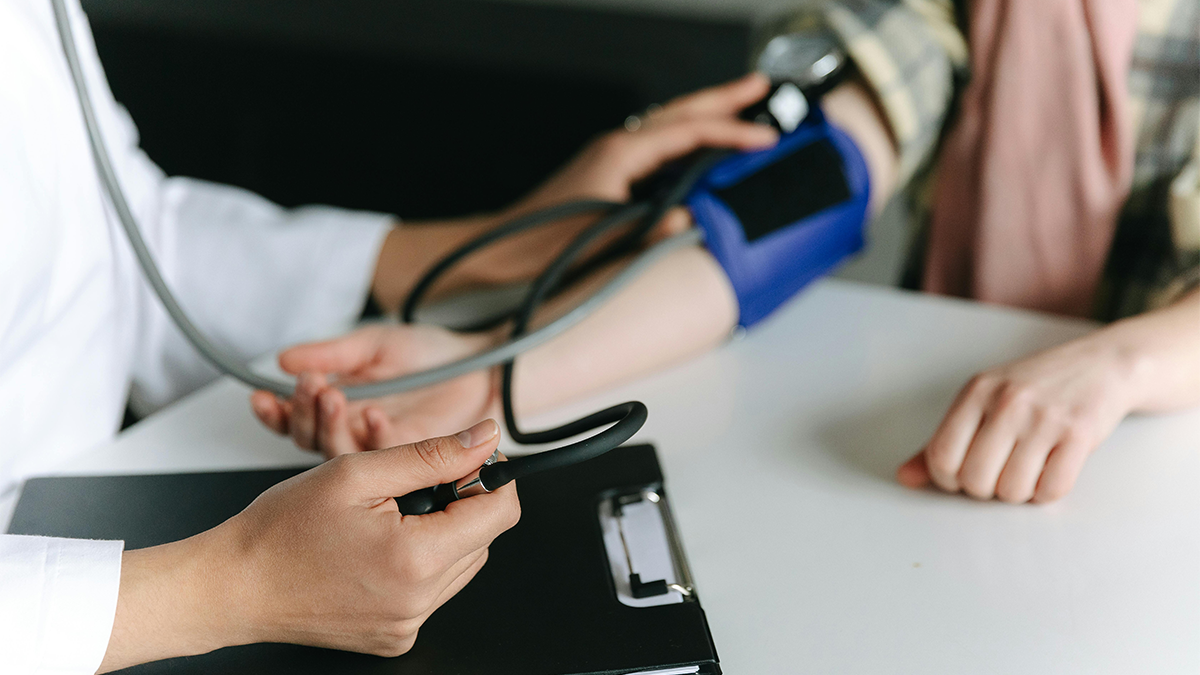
{"x": 260, "y": 408}
{"x": 328, "y": 406}
{"x": 478, "y": 434}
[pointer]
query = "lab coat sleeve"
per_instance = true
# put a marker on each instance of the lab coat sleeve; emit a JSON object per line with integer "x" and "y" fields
{"x": 253, "y": 276}
{"x": 58, "y": 598}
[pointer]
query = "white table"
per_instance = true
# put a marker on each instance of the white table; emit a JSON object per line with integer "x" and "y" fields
{"x": 779, "y": 452}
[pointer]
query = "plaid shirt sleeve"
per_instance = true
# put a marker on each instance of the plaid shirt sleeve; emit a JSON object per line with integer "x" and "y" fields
{"x": 1155, "y": 255}
{"x": 908, "y": 51}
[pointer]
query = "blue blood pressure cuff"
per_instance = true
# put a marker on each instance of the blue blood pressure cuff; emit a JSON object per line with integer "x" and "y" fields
{"x": 778, "y": 218}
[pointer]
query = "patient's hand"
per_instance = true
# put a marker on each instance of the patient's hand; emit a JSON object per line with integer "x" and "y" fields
{"x": 1022, "y": 431}
{"x": 318, "y": 416}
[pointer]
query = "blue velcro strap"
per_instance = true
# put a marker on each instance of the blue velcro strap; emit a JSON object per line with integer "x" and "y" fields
{"x": 771, "y": 269}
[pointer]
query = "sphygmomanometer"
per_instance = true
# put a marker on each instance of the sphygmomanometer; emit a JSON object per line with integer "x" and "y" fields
{"x": 773, "y": 219}
{"x": 771, "y": 247}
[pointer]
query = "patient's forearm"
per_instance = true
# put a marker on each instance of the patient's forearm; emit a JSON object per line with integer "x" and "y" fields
{"x": 684, "y": 306}
{"x": 680, "y": 308}
{"x": 1162, "y": 349}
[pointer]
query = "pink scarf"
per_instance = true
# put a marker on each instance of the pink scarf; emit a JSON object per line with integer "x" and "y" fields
{"x": 1033, "y": 173}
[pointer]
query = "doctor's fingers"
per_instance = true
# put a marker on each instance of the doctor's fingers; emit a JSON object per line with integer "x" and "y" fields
{"x": 465, "y": 526}
{"x": 345, "y": 354}
{"x": 723, "y": 100}
{"x": 448, "y": 587}
{"x": 638, "y": 154}
{"x": 416, "y": 598}
{"x": 455, "y": 579}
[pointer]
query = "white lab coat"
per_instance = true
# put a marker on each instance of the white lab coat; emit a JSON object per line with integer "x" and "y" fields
{"x": 80, "y": 332}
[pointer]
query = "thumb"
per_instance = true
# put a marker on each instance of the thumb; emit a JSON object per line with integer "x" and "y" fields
{"x": 913, "y": 473}
{"x": 393, "y": 472}
{"x": 339, "y": 355}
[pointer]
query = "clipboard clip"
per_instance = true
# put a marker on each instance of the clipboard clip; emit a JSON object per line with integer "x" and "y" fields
{"x": 644, "y": 552}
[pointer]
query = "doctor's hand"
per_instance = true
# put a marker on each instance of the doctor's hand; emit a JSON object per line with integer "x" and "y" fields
{"x": 318, "y": 416}
{"x": 323, "y": 559}
{"x": 605, "y": 169}
{"x": 608, "y": 167}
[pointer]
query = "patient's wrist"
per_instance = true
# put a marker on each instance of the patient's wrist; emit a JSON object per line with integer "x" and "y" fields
{"x": 1160, "y": 356}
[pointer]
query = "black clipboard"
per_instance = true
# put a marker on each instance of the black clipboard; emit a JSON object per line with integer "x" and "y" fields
{"x": 553, "y": 599}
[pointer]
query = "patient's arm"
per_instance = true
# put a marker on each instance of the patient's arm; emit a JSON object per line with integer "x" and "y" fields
{"x": 680, "y": 308}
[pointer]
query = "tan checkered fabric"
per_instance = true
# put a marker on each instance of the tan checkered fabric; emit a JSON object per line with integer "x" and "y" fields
{"x": 913, "y": 54}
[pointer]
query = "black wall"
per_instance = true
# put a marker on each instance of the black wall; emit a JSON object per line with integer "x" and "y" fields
{"x": 456, "y": 113}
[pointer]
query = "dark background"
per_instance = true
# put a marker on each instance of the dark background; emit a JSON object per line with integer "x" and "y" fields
{"x": 420, "y": 108}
